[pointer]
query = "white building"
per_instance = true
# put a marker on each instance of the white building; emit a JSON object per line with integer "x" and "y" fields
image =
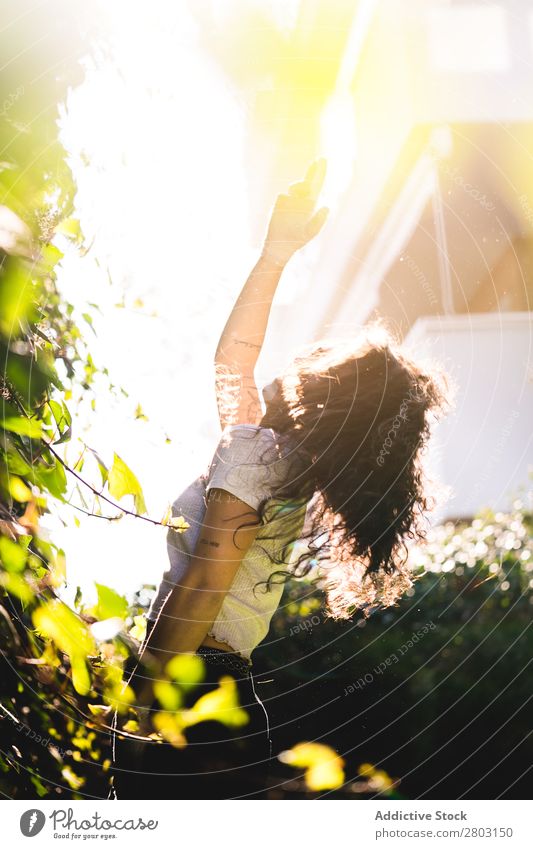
{"x": 434, "y": 229}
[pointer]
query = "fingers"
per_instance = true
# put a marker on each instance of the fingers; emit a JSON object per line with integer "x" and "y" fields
{"x": 299, "y": 190}
{"x": 315, "y": 176}
{"x": 316, "y": 223}
{"x": 282, "y": 201}
{"x": 312, "y": 183}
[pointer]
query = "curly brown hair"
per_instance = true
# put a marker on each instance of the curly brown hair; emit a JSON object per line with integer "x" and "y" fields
{"x": 359, "y": 415}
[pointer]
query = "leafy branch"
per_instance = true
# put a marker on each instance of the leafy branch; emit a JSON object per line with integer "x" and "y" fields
{"x": 167, "y": 522}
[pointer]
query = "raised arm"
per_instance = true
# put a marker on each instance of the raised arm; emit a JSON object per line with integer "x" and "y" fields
{"x": 293, "y": 223}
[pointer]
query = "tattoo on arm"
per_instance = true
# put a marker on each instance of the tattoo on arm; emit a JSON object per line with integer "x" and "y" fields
{"x": 247, "y": 344}
{"x": 205, "y": 541}
{"x": 254, "y": 410}
{"x": 236, "y": 390}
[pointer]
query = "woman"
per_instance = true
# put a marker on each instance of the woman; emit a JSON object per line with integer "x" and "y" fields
{"x": 333, "y": 464}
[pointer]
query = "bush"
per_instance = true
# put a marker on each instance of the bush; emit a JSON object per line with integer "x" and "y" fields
{"x": 435, "y": 690}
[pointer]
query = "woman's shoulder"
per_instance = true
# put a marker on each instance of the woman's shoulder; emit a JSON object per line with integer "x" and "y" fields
{"x": 252, "y": 434}
{"x": 263, "y": 445}
{"x": 248, "y": 440}
{"x": 236, "y": 428}
{"x": 255, "y": 433}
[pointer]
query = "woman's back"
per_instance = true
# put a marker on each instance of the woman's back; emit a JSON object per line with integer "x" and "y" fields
{"x": 251, "y": 464}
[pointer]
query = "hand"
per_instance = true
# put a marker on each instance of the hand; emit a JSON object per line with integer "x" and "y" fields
{"x": 292, "y": 223}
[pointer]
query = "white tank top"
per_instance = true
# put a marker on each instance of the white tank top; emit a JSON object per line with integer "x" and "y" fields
{"x": 250, "y": 463}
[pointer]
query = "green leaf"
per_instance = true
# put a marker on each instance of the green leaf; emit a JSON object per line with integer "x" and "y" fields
{"x": 177, "y": 524}
{"x": 23, "y": 427}
{"x": 101, "y": 465}
{"x": 139, "y": 413}
{"x": 69, "y": 227}
{"x": 167, "y": 516}
{"x": 50, "y": 256}
{"x": 18, "y": 489}
{"x": 187, "y": 670}
{"x": 81, "y": 680}
{"x": 39, "y": 786}
{"x": 89, "y": 319}
{"x": 17, "y": 295}
{"x": 62, "y": 419}
{"x": 13, "y": 556}
{"x": 123, "y": 482}
{"x": 74, "y": 781}
{"x": 28, "y": 376}
{"x": 99, "y": 710}
{"x": 168, "y": 695}
{"x": 65, "y": 436}
{"x": 324, "y": 768}
{"x": 71, "y": 635}
{"x": 57, "y": 622}
{"x": 138, "y": 631}
{"x": 54, "y": 479}
{"x": 221, "y": 705}
{"x": 16, "y": 465}
{"x": 17, "y": 586}
{"x": 66, "y": 413}
{"x": 57, "y": 411}
{"x": 110, "y": 603}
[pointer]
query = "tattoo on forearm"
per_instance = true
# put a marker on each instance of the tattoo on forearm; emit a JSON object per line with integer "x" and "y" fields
{"x": 254, "y": 410}
{"x": 234, "y": 391}
{"x": 247, "y": 344}
{"x": 205, "y": 541}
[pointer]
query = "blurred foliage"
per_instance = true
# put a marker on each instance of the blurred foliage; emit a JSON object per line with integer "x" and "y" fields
{"x": 44, "y": 735}
{"x": 64, "y": 670}
{"x": 55, "y": 660}
{"x": 323, "y": 766}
